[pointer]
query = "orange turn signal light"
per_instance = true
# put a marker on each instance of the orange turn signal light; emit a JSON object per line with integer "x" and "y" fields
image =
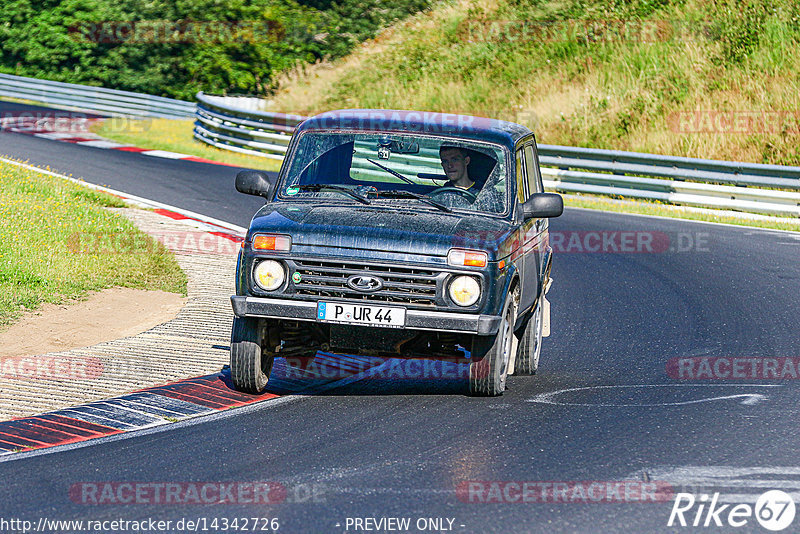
{"x": 466, "y": 258}
{"x": 278, "y": 243}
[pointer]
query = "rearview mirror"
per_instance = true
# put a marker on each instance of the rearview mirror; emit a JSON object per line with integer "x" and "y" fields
{"x": 256, "y": 183}
{"x": 541, "y": 205}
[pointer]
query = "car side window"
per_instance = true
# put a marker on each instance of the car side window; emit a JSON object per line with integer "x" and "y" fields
{"x": 522, "y": 194}
{"x": 534, "y": 179}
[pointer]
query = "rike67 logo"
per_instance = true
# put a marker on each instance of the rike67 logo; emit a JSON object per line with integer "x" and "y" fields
{"x": 774, "y": 510}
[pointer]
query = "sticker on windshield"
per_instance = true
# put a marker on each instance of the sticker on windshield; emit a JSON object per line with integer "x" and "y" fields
{"x": 292, "y": 190}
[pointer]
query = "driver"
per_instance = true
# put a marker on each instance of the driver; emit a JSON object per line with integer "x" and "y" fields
{"x": 455, "y": 163}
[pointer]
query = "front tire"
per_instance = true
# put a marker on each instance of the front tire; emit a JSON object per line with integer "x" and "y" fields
{"x": 250, "y": 364}
{"x": 487, "y": 377}
{"x": 530, "y": 343}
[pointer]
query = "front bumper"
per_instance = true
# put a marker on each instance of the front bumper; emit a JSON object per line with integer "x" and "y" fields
{"x": 431, "y": 321}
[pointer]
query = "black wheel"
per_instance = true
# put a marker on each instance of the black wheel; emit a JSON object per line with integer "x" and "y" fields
{"x": 530, "y": 343}
{"x": 487, "y": 377}
{"x": 250, "y": 364}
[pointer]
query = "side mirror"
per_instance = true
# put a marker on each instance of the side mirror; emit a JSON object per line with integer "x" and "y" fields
{"x": 541, "y": 205}
{"x": 254, "y": 183}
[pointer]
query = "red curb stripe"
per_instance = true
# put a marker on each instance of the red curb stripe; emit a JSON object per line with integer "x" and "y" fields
{"x": 52, "y": 426}
{"x": 130, "y": 149}
{"x": 30, "y": 131}
{"x": 77, "y": 139}
{"x": 26, "y": 429}
{"x": 21, "y": 441}
{"x": 179, "y": 217}
{"x": 78, "y": 424}
{"x": 196, "y": 399}
{"x": 232, "y": 237}
{"x": 32, "y": 430}
{"x": 9, "y": 445}
{"x": 171, "y": 214}
{"x": 53, "y": 429}
{"x": 212, "y": 397}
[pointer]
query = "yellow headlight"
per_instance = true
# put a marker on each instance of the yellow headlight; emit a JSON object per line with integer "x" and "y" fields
{"x": 465, "y": 290}
{"x": 269, "y": 275}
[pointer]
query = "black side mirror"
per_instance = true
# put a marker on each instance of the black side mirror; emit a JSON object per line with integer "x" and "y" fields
{"x": 541, "y": 205}
{"x": 253, "y": 183}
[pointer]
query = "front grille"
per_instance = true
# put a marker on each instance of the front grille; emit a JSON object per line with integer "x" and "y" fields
{"x": 401, "y": 285}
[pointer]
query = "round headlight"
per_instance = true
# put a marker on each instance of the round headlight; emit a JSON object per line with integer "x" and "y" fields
{"x": 269, "y": 275}
{"x": 465, "y": 290}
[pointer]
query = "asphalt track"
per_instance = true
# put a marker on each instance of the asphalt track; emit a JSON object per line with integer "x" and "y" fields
{"x": 395, "y": 448}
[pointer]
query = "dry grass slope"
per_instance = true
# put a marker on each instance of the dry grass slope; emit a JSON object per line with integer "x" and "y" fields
{"x": 640, "y": 75}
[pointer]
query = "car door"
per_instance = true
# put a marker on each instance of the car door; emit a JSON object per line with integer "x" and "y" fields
{"x": 523, "y": 228}
{"x": 533, "y": 230}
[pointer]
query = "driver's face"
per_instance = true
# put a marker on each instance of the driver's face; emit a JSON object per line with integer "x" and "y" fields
{"x": 454, "y": 164}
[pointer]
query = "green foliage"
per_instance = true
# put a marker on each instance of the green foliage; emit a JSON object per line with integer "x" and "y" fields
{"x": 176, "y": 48}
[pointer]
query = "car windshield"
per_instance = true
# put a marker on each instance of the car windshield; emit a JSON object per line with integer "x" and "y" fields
{"x": 373, "y": 168}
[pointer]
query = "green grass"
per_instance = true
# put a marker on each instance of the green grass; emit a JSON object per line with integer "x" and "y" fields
{"x": 45, "y": 223}
{"x": 662, "y": 210}
{"x": 175, "y": 136}
{"x": 586, "y": 73}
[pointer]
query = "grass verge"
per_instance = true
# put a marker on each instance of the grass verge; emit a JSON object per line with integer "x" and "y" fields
{"x": 643, "y": 207}
{"x": 710, "y": 79}
{"x": 175, "y": 136}
{"x": 41, "y": 220}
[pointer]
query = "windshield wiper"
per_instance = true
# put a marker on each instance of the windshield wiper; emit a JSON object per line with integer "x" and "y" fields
{"x": 399, "y": 193}
{"x": 333, "y": 187}
{"x": 391, "y": 171}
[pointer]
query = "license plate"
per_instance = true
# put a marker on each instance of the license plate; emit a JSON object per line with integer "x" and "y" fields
{"x": 338, "y": 312}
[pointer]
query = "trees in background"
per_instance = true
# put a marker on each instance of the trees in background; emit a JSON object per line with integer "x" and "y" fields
{"x": 178, "y": 47}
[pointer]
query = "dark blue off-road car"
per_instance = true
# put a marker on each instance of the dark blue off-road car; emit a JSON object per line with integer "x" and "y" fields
{"x": 397, "y": 233}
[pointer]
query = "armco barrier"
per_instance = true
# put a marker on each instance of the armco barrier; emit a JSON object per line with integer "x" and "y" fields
{"x": 239, "y": 129}
{"x": 749, "y": 187}
{"x": 226, "y": 123}
{"x": 94, "y": 99}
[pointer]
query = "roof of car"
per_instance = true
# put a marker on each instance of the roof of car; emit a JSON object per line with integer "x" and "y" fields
{"x": 447, "y": 124}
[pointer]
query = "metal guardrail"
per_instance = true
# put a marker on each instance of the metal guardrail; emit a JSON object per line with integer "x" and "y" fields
{"x": 94, "y": 99}
{"x": 749, "y": 187}
{"x": 248, "y": 131}
{"x": 225, "y": 123}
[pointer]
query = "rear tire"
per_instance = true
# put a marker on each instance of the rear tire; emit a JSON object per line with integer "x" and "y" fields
{"x": 250, "y": 364}
{"x": 530, "y": 343}
{"x": 487, "y": 377}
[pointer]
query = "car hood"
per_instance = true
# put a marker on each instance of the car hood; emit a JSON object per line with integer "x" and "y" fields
{"x": 380, "y": 229}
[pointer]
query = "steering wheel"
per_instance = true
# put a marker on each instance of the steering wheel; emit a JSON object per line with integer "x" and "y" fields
{"x": 469, "y": 195}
